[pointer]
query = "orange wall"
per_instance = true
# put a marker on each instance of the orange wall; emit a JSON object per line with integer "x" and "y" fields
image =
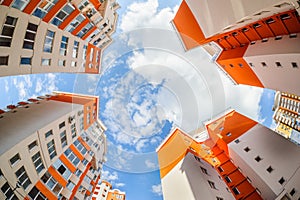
{"x": 187, "y": 26}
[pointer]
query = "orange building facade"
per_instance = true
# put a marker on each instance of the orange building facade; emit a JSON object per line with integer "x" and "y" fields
{"x": 249, "y": 39}
{"x": 55, "y": 36}
{"x": 218, "y": 168}
{"x": 52, "y": 147}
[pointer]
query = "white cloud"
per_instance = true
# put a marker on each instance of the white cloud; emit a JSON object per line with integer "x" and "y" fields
{"x": 156, "y": 189}
{"x": 150, "y": 164}
{"x": 6, "y": 86}
{"x": 39, "y": 85}
{"x": 120, "y": 184}
{"x": 109, "y": 176}
{"x": 147, "y": 14}
{"x": 141, "y": 144}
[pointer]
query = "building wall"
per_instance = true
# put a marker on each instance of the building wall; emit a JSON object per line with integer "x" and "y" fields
{"x": 277, "y": 156}
{"x": 187, "y": 181}
{"x": 263, "y": 57}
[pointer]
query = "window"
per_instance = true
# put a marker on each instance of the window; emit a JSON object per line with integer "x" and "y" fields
{"x": 279, "y": 37}
{"x": 61, "y": 125}
{"x": 3, "y": 60}
{"x": 278, "y": 64}
{"x": 281, "y": 180}
{"x": 44, "y": 8}
{"x": 270, "y": 169}
{"x": 63, "y": 46}
{"x": 212, "y": 184}
{"x": 71, "y": 156}
{"x": 75, "y": 49}
{"x": 70, "y": 185}
{"x": 293, "y": 35}
{"x": 80, "y": 147}
{"x": 251, "y": 64}
{"x": 62, "y": 15}
{"x": 235, "y": 191}
{"x": 62, "y": 169}
{"x": 84, "y": 55}
{"x": 84, "y": 30}
{"x": 220, "y": 198}
{"x": 75, "y": 23}
{"x": 237, "y": 141}
{"x": 49, "y": 41}
{"x": 7, "y": 31}
{"x": 23, "y": 178}
{"x": 78, "y": 172}
{"x": 263, "y": 64}
{"x": 294, "y": 65}
{"x": 240, "y": 65}
{"x": 270, "y": 21}
{"x": 51, "y": 149}
{"x": 51, "y": 183}
{"x": 63, "y": 139}
{"x": 220, "y": 169}
{"x": 35, "y": 194}
{"x": 49, "y": 133}
{"x": 257, "y": 158}
{"x": 73, "y": 130}
{"x": 15, "y": 159}
{"x": 285, "y": 16}
{"x": 73, "y": 64}
{"x": 292, "y": 192}
{"x": 30, "y": 36}
{"x": 25, "y": 61}
{"x": 8, "y": 192}
{"x": 61, "y": 62}
{"x": 203, "y": 170}
{"x": 85, "y": 162}
{"x": 228, "y": 180}
{"x": 37, "y": 161}
{"x": 20, "y": 4}
{"x": 32, "y": 145}
{"x": 46, "y": 62}
{"x": 228, "y": 134}
{"x": 247, "y": 149}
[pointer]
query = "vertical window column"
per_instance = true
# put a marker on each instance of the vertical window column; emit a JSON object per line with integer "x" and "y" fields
{"x": 49, "y": 41}
{"x": 8, "y": 31}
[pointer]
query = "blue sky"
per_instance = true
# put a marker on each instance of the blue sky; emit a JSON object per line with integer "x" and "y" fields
{"x": 132, "y": 105}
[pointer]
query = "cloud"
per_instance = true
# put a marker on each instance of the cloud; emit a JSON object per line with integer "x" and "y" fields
{"x": 147, "y": 14}
{"x": 6, "y": 86}
{"x": 109, "y": 176}
{"x": 156, "y": 189}
{"x": 120, "y": 184}
{"x": 39, "y": 85}
{"x": 150, "y": 164}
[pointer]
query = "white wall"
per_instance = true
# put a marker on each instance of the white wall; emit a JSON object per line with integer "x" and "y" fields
{"x": 275, "y": 151}
{"x": 187, "y": 181}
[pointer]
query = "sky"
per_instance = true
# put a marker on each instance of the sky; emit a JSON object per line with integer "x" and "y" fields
{"x": 148, "y": 84}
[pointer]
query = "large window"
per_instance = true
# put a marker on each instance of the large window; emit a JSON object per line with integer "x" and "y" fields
{"x": 75, "y": 23}
{"x": 73, "y": 130}
{"x": 63, "y": 46}
{"x": 71, "y": 156}
{"x": 8, "y": 31}
{"x": 15, "y": 159}
{"x": 49, "y": 41}
{"x": 35, "y": 194}
{"x": 30, "y": 36}
{"x": 20, "y": 4}
{"x": 38, "y": 163}
{"x": 84, "y": 55}
{"x": 75, "y": 49}
{"x": 3, "y": 60}
{"x": 84, "y": 30}
{"x": 44, "y": 7}
{"x": 62, "y": 169}
{"x": 32, "y": 145}
{"x": 23, "y": 177}
{"x": 63, "y": 139}
{"x": 51, "y": 149}
{"x": 8, "y": 192}
{"x": 62, "y": 15}
{"x": 80, "y": 147}
{"x": 51, "y": 183}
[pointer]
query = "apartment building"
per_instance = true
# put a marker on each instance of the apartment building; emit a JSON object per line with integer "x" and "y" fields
{"x": 52, "y": 147}
{"x": 286, "y": 115}
{"x": 104, "y": 191}
{"x": 55, "y": 36}
{"x": 240, "y": 160}
{"x": 258, "y": 42}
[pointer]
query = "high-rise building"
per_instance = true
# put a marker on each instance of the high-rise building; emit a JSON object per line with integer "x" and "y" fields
{"x": 104, "y": 191}
{"x": 255, "y": 43}
{"x": 240, "y": 160}
{"x": 55, "y": 36}
{"x": 51, "y": 148}
{"x": 287, "y": 115}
